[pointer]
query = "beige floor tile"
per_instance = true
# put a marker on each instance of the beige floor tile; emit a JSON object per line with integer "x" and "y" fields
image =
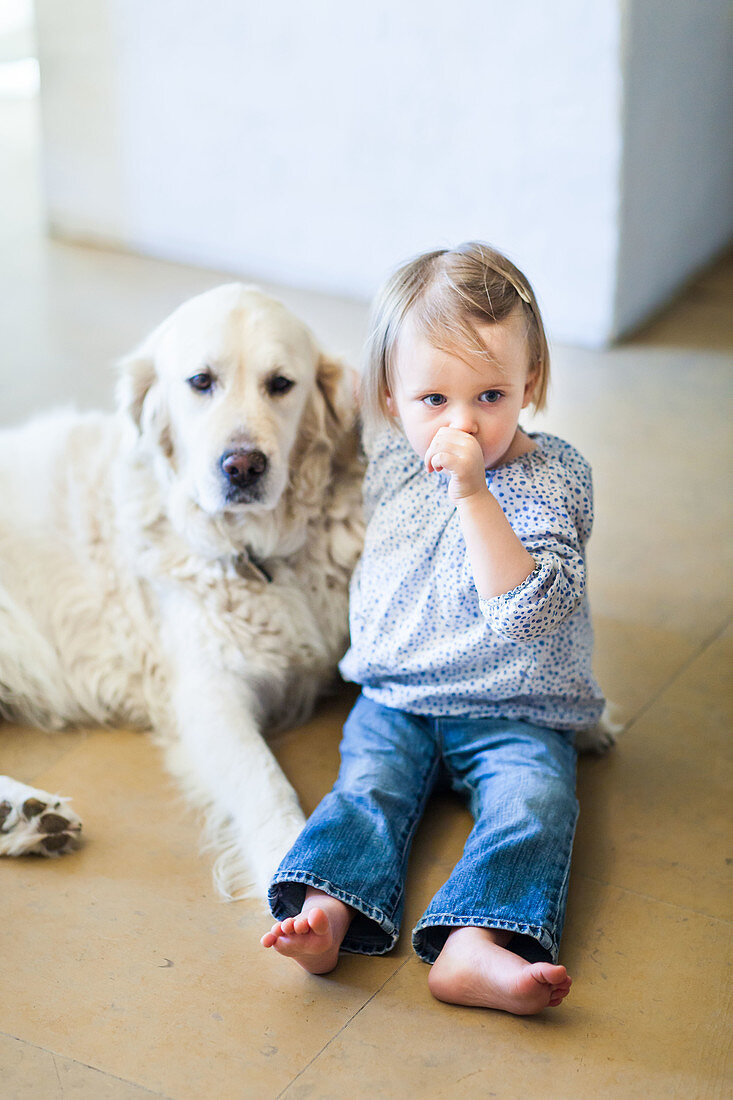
{"x": 123, "y": 956}
{"x": 645, "y": 1018}
{"x": 25, "y": 753}
{"x": 29, "y": 1073}
{"x": 701, "y": 318}
{"x": 634, "y": 662}
{"x": 655, "y": 813}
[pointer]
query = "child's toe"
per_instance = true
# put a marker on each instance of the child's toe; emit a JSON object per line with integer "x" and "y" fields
{"x": 559, "y": 993}
{"x": 318, "y": 921}
{"x": 550, "y": 974}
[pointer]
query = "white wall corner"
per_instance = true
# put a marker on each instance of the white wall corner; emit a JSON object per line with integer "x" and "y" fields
{"x": 676, "y": 181}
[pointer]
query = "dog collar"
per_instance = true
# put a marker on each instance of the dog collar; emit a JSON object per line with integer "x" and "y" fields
{"x": 247, "y": 566}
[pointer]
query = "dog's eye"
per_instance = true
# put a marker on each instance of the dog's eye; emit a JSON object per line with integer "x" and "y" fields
{"x": 202, "y": 382}
{"x": 279, "y": 384}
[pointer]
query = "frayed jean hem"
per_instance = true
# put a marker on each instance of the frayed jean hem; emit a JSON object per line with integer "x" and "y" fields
{"x": 374, "y": 935}
{"x": 532, "y": 942}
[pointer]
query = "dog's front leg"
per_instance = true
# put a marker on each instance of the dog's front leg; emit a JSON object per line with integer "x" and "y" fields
{"x": 218, "y": 754}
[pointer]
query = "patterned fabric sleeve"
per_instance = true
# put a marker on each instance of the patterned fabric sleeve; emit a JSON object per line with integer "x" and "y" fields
{"x": 551, "y": 510}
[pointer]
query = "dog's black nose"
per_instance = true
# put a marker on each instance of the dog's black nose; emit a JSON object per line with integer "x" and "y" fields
{"x": 243, "y": 468}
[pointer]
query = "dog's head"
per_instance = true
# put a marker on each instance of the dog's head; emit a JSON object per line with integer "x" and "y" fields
{"x": 233, "y": 394}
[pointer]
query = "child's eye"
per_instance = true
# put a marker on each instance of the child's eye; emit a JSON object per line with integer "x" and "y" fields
{"x": 434, "y": 400}
{"x": 491, "y": 396}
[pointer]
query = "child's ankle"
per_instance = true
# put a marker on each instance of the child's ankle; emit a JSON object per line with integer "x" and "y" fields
{"x": 499, "y": 936}
{"x": 314, "y": 896}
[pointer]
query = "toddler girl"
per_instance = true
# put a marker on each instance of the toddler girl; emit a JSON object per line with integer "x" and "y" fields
{"x": 471, "y": 639}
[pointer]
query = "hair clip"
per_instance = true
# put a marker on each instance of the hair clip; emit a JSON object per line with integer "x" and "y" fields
{"x": 521, "y": 292}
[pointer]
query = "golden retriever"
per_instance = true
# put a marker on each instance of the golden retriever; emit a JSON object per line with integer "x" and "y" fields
{"x": 183, "y": 565}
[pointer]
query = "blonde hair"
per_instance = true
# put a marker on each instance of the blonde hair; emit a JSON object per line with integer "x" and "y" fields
{"x": 448, "y": 293}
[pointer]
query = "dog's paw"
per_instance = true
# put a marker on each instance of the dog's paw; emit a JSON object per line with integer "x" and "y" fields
{"x": 33, "y": 822}
{"x": 601, "y": 737}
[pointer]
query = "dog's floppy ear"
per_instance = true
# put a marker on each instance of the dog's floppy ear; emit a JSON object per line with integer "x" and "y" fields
{"x": 137, "y": 378}
{"x": 325, "y": 431}
{"x": 139, "y": 395}
{"x": 337, "y": 385}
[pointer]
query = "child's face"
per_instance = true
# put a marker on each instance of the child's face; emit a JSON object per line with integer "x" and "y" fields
{"x": 481, "y": 396}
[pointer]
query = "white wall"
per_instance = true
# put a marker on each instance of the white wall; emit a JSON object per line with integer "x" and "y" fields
{"x": 320, "y": 144}
{"x": 677, "y": 175}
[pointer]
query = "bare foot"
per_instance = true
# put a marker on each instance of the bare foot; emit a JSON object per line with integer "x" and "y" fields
{"x": 313, "y": 938}
{"x": 475, "y": 968}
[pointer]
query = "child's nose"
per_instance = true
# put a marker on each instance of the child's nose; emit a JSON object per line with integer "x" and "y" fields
{"x": 463, "y": 420}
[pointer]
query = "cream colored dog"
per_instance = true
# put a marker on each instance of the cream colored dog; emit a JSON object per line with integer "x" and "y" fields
{"x": 183, "y": 565}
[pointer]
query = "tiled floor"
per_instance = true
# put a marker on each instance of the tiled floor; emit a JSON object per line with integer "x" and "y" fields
{"x": 83, "y": 1010}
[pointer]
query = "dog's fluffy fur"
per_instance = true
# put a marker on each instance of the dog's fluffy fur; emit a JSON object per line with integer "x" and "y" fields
{"x": 141, "y": 585}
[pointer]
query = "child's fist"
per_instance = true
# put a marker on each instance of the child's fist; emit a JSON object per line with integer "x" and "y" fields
{"x": 460, "y": 454}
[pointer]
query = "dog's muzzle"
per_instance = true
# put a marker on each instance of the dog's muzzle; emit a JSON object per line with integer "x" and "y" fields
{"x": 244, "y": 471}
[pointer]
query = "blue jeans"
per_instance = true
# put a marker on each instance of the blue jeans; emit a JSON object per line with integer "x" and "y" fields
{"x": 513, "y": 874}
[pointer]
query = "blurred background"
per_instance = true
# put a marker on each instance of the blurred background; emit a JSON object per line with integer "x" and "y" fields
{"x": 318, "y": 145}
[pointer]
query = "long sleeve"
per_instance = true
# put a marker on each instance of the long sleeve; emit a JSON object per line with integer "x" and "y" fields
{"x": 553, "y": 519}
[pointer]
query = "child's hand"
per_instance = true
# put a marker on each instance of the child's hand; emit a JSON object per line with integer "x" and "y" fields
{"x": 460, "y": 454}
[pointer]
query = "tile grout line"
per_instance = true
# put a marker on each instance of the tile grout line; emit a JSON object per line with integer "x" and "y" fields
{"x": 94, "y": 1069}
{"x": 342, "y": 1028}
{"x": 651, "y": 897}
{"x": 702, "y": 648}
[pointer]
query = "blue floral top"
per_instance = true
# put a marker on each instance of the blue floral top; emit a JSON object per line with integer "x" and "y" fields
{"x": 423, "y": 641}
